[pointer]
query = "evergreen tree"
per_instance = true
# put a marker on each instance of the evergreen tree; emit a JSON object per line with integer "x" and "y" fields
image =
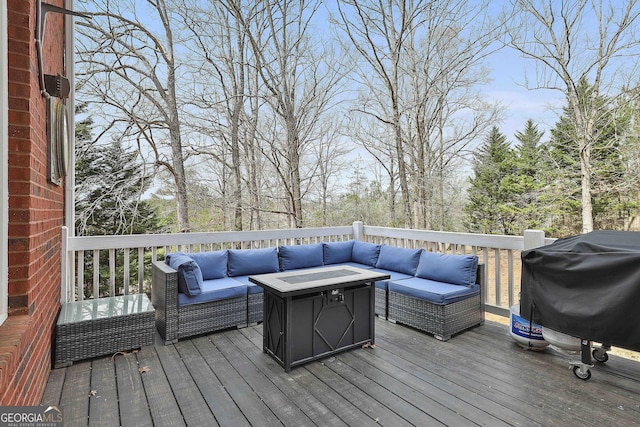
{"x": 110, "y": 182}
{"x": 527, "y": 181}
{"x": 610, "y": 199}
{"x": 491, "y": 207}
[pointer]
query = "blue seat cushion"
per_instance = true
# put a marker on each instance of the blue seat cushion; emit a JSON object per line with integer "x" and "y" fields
{"x": 189, "y": 274}
{"x": 300, "y": 256}
{"x": 213, "y": 264}
{"x": 252, "y": 288}
{"x": 433, "y": 291}
{"x": 337, "y": 252}
{"x": 403, "y": 260}
{"x": 245, "y": 262}
{"x": 454, "y": 269}
{"x": 215, "y": 290}
{"x": 384, "y": 284}
{"x": 365, "y": 253}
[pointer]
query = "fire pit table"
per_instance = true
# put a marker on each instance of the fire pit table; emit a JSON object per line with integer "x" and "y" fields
{"x": 314, "y": 313}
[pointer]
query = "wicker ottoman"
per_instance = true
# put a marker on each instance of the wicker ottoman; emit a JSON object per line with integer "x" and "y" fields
{"x": 97, "y": 327}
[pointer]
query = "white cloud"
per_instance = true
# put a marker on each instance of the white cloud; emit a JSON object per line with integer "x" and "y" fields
{"x": 541, "y": 106}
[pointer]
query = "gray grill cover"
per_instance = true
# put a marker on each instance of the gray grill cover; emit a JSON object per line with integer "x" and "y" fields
{"x": 587, "y": 286}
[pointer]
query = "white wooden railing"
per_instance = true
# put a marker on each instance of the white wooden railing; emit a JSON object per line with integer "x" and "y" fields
{"x": 87, "y": 256}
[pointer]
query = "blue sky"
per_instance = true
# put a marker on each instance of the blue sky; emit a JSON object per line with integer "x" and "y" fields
{"x": 509, "y": 72}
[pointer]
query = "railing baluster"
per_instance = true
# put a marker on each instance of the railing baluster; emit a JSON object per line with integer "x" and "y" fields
{"x": 141, "y": 270}
{"x": 485, "y": 261}
{"x": 126, "y": 271}
{"x": 496, "y": 254}
{"x": 96, "y": 273}
{"x": 510, "y": 276}
{"x": 112, "y": 272}
{"x": 80, "y": 275}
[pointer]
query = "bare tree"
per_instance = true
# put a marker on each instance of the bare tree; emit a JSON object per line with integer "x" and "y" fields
{"x": 421, "y": 61}
{"x": 445, "y": 111}
{"x": 221, "y": 68}
{"x": 126, "y": 66}
{"x": 298, "y": 87}
{"x": 378, "y": 31}
{"x": 377, "y": 139}
{"x": 575, "y": 40}
{"x": 330, "y": 152}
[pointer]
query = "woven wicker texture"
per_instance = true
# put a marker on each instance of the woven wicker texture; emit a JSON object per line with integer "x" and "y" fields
{"x": 381, "y": 303}
{"x": 92, "y": 328}
{"x": 440, "y": 320}
{"x": 207, "y": 317}
{"x": 255, "y": 308}
{"x": 175, "y": 322}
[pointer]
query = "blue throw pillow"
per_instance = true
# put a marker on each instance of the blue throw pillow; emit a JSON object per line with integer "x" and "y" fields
{"x": 244, "y": 262}
{"x": 300, "y": 256}
{"x": 337, "y": 252}
{"x": 213, "y": 264}
{"x": 402, "y": 260}
{"x": 454, "y": 269}
{"x": 365, "y": 253}
{"x": 189, "y": 273}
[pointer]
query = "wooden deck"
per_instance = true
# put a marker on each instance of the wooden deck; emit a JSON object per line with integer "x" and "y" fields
{"x": 479, "y": 377}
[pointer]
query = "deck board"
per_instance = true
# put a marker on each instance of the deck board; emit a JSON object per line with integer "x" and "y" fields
{"x": 465, "y": 371}
{"x": 247, "y": 341}
{"x": 249, "y": 403}
{"x": 103, "y": 405}
{"x": 193, "y": 407}
{"x": 582, "y": 401}
{"x": 280, "y": 404}
{"x": 162, "y": 403}
{"x": 479, "y": 377}
{"x": 76, "y": 392}
{"x": 132, "y": 398}
{"x": 527, "y": 378}
{"x": 380, "y": 389}
{"x": 220, "y": 404}
{"x": 53, "y": 389}
{"x": 444, "y": 367}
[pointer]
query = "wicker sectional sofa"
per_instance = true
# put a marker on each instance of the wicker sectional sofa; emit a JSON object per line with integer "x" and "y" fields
{"x": 197, "y": 293}
{"x": 443, "y": 298}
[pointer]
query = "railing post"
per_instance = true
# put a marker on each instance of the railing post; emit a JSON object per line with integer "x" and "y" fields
{"x": 358, "y": 230}
{"x": 533, "y": 239}
{"x": 64, "y": 266}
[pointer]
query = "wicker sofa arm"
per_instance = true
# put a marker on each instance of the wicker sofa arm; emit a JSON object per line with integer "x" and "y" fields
{"x": 164, "y": 297}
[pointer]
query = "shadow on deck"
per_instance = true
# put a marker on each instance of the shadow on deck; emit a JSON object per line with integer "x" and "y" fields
{"x": 479, "y": 377}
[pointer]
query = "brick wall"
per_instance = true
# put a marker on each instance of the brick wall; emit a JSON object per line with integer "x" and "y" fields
{"x": 36, "y": 211}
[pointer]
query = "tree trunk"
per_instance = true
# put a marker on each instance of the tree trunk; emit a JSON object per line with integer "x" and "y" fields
{"x": 585, "y": 179}
{"x": 180, "y": 180}
{"x": 402, "y": 168}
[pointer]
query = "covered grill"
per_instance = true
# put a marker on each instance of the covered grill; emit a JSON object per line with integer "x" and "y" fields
{"x": 587, "y": 286}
